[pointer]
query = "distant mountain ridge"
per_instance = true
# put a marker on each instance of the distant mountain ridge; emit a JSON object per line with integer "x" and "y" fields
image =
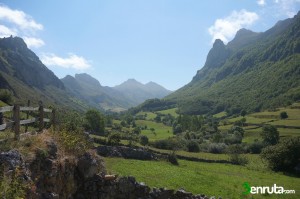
{"x": 138, "y": 92}
{"x": 126, "y": 95}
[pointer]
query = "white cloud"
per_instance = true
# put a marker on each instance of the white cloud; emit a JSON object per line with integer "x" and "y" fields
{"x": 227, "y": 27}
{"x": 18, "y": 23}
{"x": 6, "y": 32}
{"x": 73, "y": 61}
{"x": 19, "y": 18}
{"x": 33, "y": 42}
{"x": 287, "y": 7}
{"x": 261, "y": 2}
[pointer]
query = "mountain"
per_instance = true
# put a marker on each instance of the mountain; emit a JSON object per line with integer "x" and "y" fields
{"x": 89, "y": 89}
{"x": 255, "y": 71}
{"x": 27, "y": 78}
{"x": 138, "y": 92}
{"x": 128, "y": 94}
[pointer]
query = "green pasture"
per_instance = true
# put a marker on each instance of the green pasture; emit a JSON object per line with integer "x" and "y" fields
{"x": 212, "y": 179}
{"x": 171, "y": 111}
{"x": 161, "y": 131}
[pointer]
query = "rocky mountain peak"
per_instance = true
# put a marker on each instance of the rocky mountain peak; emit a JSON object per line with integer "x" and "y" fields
{"x": 84, "y": 77}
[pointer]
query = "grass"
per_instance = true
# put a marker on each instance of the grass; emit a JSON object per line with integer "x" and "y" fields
{"x": 207, "y": 178}
{"x": 220, "y": 115}
{"x": 171, "y": 111}
{"x": 161, "y": 131}
{"x": 149, "y": 115}
{"x": 272, "y": 118}
{"x": 2, "y": 104}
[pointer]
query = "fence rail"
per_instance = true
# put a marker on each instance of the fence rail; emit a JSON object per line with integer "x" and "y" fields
{"x": 16, "y": 122}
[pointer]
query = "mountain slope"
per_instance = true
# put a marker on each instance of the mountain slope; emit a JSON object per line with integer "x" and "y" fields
{"x": 254, "y": 71}
{"x": 28, "y": 78}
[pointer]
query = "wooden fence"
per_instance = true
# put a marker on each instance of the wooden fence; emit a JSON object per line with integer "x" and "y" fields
{"x": 16, "y": 122}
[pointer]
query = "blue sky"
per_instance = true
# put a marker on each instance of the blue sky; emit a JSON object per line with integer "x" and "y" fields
{"x": 165, "y": 41}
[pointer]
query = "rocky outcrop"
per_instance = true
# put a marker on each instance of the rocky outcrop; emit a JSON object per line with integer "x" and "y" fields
{"x": 50, "y": 176}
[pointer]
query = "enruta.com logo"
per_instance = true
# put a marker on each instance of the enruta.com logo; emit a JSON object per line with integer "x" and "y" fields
{"x": 265, "y": 189}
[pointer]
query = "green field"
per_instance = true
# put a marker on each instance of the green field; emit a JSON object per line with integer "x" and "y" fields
{"x": 269, "y": 117}
{"x": 171, "y": 111}
{"x": 149, "y": 115}
{"x": 207, "y": 178}
{"x": 219, "y": 115}
{"x": 161, "y": 131}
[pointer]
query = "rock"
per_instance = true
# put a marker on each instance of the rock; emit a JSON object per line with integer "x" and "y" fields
{"x": 12, "y": 159}
{"x": 181, "y": 193}
{"x": 52, "y": 149}
{"x": 125, "y": 152}
{"x": 87, "y": 165}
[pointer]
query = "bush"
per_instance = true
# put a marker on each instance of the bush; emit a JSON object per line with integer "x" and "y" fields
{"x": 283, "y": 156}
{"x": 216, "y": 148}
{"x": 114, "y": 139}
{"x": 170, "y": 144}
{"x": 74, "y": 142}
{"x": 144, "y": 140}
{"x": 256, "y": 147}
{"x": 193, "y": 146}
{"x": 283, "y": 115}
{"x": 234, "y": 152}
{"x": 172, "y": 158}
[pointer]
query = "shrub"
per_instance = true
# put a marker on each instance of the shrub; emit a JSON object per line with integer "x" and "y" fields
{"x": 114, "y": 139}
{"x": 216, "y": 148}
{"x": 74, "y": 142}
{"x": 283, "y": 156}
{"x": 170, "y": 143}
{"x": 234, "y": 152}
{"x": 283, "y": 115}
{"x": 255, "y": 147}
{"x": 172, "y": 158}
{"x": 144, "y": 140}
{"x": 193, "y": 146}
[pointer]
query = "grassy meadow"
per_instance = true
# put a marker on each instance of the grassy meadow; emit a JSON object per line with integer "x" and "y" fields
{"x": 212, "y": 179}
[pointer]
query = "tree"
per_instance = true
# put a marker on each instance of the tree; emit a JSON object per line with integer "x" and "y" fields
{"x": 144, "y": 140}
{"x": 270, "y": 135}
{"x": 283, "y": 115}
{"x": 94, "y": 121}
{"x": 243, "y": 113}
{"x": 283, "y": 156}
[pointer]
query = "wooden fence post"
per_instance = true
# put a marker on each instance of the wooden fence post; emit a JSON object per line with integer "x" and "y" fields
{"x": 53, "y": 121}
{"x": 41, "y": 116}
{"x": 27, "y": 115}
{"x": 16, "y": 118}
{"x": 1, "y": 118}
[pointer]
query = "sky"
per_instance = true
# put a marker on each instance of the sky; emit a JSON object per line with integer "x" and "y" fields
{"x": 164, "y": 41}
